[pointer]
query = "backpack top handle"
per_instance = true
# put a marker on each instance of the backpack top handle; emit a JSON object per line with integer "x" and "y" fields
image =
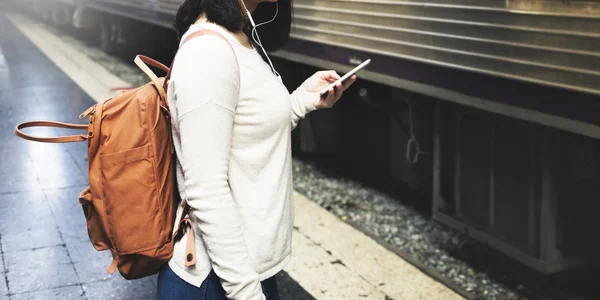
{"x": 61, "y": 139}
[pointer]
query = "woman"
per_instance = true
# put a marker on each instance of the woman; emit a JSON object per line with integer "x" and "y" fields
{"x": 232, "y": 120}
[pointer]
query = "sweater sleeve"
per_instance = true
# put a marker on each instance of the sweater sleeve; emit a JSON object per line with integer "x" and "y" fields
{"x": 206, "y": 91}
{"x": 302, "y": 104}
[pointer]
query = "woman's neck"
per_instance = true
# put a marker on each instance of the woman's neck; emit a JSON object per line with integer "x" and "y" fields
{"x": 240, "y": 35}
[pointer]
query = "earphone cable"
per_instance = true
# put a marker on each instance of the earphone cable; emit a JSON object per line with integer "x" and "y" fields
{"x": 256, "y": 37}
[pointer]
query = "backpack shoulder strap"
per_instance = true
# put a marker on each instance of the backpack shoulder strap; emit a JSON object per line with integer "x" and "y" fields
{"x": 195, "y": 34}
{"x": 142, "y": 62}
{"x": 190, "y": 252}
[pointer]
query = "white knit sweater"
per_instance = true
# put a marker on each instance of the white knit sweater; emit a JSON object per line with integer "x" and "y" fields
{"x": 234, "y": 163}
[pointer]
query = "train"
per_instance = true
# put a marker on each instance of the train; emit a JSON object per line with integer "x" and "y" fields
{"x": 489, "y": 108}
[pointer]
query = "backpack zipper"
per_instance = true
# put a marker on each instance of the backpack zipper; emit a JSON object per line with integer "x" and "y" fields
{"x": 88, "y": 112}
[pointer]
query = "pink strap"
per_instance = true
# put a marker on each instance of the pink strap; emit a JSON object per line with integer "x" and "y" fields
{"x": 198, "y": 33}
{"x": 190, "y": 247}
{"x": 142, "y": 62}
{"x": 190, "y": 252}
{"x": 113, "y": 267}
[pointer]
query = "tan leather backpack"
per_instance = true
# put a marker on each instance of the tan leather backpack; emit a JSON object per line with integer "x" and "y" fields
{"x": 131, "y": 200}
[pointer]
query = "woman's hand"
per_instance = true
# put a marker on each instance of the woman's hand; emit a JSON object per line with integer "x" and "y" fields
{"x": 321, "y": 80}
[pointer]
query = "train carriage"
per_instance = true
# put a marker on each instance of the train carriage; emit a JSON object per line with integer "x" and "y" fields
{"x": 502, "y": 95}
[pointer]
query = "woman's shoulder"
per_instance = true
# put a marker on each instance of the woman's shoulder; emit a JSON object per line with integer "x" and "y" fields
{"x": 202, "y": 63}
{"x": 208, "y": 52}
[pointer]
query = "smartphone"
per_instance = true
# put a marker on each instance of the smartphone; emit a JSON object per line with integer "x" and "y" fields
{"x": 325, "y": 91}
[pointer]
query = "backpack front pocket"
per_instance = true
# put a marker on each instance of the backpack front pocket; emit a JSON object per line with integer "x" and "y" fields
{"x": 96, "y": 231}
{"x": 129, "y": 186}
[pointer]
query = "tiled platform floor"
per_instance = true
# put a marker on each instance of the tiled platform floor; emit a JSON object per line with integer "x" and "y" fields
{"x": 45, "y": 250}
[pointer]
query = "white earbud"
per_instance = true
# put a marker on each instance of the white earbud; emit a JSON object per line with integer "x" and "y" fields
{"x": 249, "y": 16}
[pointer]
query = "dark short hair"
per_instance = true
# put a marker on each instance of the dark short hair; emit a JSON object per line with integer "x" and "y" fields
{"x": 229, "y": 14}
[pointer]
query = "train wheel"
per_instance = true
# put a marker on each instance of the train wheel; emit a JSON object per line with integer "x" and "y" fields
{"x": 111, "y": 37}
{"x": 61, "y": 16}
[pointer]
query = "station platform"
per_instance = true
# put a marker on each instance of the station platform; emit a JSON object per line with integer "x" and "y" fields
{"x": 44, "y": 244}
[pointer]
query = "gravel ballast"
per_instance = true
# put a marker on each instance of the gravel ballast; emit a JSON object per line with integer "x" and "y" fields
{"x": 455, "y": 256}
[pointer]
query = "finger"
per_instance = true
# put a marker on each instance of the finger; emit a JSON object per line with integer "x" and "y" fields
{"x": 349, "y": 82}
{"x": 339, "y": 90}
{"x": 330, "y": 76}
{"x": 330, "y": 97}
{"x": 334, "y": 75}
{"x": 331, "y": 94}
